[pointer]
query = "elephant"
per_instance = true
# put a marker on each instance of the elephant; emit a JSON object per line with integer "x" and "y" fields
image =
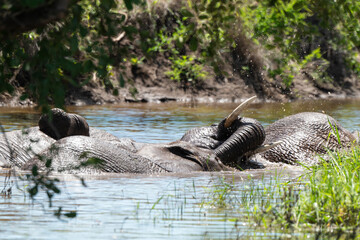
{"x": 295, "y": 140}
{"x": 303, "y": 139}
{"x": 70, "y": 150}
{"x": 230, "y": 138}
{"x": 234, "y": 143}
{"x": 17, "y": 147}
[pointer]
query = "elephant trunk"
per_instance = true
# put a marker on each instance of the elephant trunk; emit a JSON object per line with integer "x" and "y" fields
{"x": 249, "y": 136}
{"x": 59, "y": 124}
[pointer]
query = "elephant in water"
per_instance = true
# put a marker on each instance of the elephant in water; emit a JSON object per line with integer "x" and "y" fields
{"x": 302, "y": 138}
{"x": 69, "y": 143}
{"x": 296, "y": 139}
{"x": 234, "y": 142}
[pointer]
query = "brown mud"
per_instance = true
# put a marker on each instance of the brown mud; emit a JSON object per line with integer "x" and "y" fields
{"x": 153, "y": 85}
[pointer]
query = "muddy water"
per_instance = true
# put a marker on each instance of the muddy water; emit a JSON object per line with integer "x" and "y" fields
{"x": 152, "y": 207}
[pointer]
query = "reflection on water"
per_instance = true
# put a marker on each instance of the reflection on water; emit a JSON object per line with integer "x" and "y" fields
{"x": 150, "y": 207}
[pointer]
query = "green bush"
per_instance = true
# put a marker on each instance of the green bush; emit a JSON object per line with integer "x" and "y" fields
{"x": 186, "y": 71}
{"x": 292, "y": 34}
{"x": 63, "y": 53}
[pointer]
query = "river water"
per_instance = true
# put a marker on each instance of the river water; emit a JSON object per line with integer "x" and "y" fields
{"x": 123, "y": 206}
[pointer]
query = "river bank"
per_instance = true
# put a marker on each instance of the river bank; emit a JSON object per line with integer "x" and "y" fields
{"x": 155, "y": 89}
{"x": 169, "y": 51}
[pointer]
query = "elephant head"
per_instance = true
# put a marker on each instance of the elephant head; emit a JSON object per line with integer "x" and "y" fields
{"x": 59, "y": 124}
{"x": 232, "y": 139}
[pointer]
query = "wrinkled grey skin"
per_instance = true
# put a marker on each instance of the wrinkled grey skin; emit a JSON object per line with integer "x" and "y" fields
{"x": 304, "y": 136}
{"x": 212, "y": 148}
{"x": 229, "y": 144}
{"x": 124, "y": 155}
{"x": 17, "y": 147}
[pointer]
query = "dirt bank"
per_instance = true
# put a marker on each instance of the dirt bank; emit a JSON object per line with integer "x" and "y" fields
{"x": 152, "y": 85}
{"x": 242, "y": 75}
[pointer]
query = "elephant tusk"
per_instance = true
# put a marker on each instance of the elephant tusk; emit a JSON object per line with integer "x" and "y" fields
{"x": 234, "y": 115}
{"x": 266, "y": 147}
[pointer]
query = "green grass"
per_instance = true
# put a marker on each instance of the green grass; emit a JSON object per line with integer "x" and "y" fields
{"x": 324, "y": 201}
{"x": 331, "y": 198}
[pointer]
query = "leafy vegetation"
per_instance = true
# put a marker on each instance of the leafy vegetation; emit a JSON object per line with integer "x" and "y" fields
{"x": 186, "y": 71}
{"x": 76, "y": 42}
{"x": 297, "y": 28}
{"x": 51, "y": 58}
{"x": 281, "y": 37}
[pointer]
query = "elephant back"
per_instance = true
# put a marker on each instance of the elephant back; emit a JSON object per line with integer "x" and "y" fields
{"x": 72, "y": 155}
{"x": 305, "y": 135}
{"x": 17, "y": 147}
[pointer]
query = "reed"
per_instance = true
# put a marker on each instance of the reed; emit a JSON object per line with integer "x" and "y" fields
{"x": 323, "y": 202}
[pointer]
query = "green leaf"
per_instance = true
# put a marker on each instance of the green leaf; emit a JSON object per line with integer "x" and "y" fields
{"x": 193, "y": 44}
{"x": 71, "y": 214}
{"x": 129, "y": 4}
{"x": 48, "y": 163}
{"x": 298, "y": 6}
{"x": 203, "y": 16}
{"x": 33, "y": 191}
{"x": 186, "y": 13}
{"x": 121, "y": 81}
{"x": 55, "y": 189}
{"x": 34, "y": 171}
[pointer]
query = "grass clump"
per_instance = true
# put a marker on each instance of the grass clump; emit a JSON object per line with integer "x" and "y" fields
{"x": 220, "y": 195}
{"x": 332, "y": 195}
{"x": 324, "y": 201}
{"x": 327, "y": 201}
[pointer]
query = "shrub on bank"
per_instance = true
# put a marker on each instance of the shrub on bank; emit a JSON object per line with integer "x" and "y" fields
{"x": 269, "y": 41}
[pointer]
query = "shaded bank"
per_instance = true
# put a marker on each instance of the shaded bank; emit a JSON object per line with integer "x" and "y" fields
{"x": 193, "y": 51}
{"x": 229, "y": 91}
